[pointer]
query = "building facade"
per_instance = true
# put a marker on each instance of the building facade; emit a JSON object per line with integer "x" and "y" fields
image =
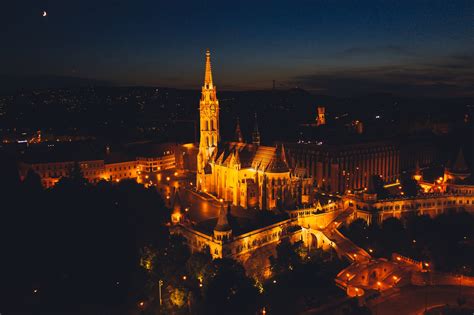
{"x": 345, "y": 167}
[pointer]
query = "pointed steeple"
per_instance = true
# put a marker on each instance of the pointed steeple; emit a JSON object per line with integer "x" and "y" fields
{"x": 279, "y": 163}
{"x": 236, "y": 156}
{"x": 223, "y": 219}
{"x": 460, "y": 165}
{"x": 256, "y": 133}
{"x": 208, "y": 75}
{"x": 238, "y": 132}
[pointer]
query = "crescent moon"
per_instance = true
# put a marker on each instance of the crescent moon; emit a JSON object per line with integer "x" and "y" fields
{"x": 45, "y": 13}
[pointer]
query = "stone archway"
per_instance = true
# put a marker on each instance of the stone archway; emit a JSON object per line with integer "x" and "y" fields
{"x": 312, "y": 241}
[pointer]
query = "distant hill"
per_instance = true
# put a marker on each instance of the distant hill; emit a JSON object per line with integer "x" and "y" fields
{"x": 11, "y": 83}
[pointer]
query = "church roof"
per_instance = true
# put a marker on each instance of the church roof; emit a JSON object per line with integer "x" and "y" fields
{"x": 265, "y": 158}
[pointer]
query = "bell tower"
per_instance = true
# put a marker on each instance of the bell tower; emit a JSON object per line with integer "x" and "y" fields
{"x": 208, "y": 123}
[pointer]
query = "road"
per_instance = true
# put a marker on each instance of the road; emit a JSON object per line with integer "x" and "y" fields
{"x": 411, "y": 300}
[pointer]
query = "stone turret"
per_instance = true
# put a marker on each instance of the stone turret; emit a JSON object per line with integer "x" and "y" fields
{"x": 223, "y": 230}
{"x": 417, "y": 176}
{"x": 371, "y": 193}
{"x": 458, "y": 170}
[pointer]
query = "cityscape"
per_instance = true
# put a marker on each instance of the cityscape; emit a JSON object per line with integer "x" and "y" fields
{"x": 132, "y": 189}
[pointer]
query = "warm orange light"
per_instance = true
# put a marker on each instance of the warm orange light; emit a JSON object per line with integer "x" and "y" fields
{"x": 175, "y": 173}
{"x": 379, "y": 283}
{"x": 427, "y": 264}
{"x": 184, "y": 277}
{"x": 167, "y": 178}
{"x": 398, "y": 258}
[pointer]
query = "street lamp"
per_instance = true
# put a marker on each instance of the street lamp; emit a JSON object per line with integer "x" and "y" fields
{"x": 160, "y": 284}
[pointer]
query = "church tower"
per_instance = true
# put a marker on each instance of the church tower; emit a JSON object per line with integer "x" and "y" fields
{"x": 209, "y": 124}
{"x": 256, "y": 133}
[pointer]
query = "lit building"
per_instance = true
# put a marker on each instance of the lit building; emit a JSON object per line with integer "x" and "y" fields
{"x": 51, "y": 171}
{"x": 321, "y": 118}
{"x": 452, "y": 193}
{"x": 340, "y": 167}
{"x": 247, "y": 175}
{"x": 55, "y": 163}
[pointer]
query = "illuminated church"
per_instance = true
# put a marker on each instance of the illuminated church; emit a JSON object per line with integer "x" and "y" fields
{"x": 248, "y": 175}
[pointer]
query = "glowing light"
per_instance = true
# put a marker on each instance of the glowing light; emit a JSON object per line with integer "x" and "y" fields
{"x": 35, "y": 291}
{"x": 395, "y": 278}
{"x": 175, "y": 173}
{"x": 184, "y": 277}
{"x": 141, "y": 304}
{"x": 274, "y": 281}
{"x": 398, "y": 258}
{"x": 167, "y": 178}
{"x": 379, "y": 283}
{"x": 45, "y": 14}
{"x": 427, "y": 264}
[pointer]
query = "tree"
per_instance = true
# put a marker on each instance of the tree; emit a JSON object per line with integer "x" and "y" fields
{"x": 287, "y": 257}
{"x": 227, "y": 290}
{"x": 32, "y": 183}
{"x": 197, "y": 263}
{"x": 410, "y": 187}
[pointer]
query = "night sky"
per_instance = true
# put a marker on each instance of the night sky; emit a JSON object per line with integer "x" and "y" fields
{"x": 332, "y": 47}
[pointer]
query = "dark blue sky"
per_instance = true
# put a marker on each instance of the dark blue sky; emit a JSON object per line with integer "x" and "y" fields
{"x": 335, "y": 47}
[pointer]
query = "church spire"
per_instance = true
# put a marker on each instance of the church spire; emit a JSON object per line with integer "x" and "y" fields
{"x": 238, "y": 132}
{"x": 256, "y": 133}
{"x": 208, "y": 75}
